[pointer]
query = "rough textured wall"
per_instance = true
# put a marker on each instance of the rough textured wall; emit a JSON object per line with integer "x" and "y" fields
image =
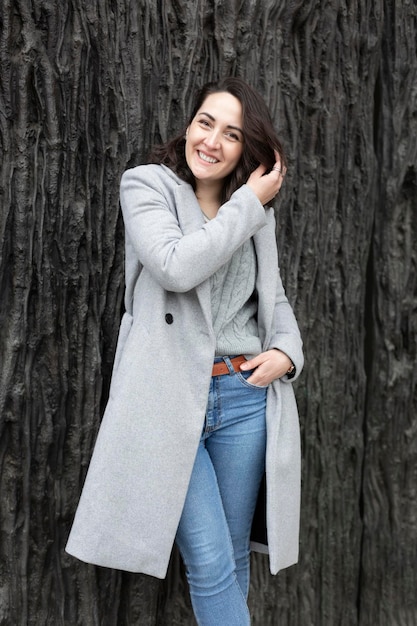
{"x": 389, "y": 495}
{"x": 85, "y": 89}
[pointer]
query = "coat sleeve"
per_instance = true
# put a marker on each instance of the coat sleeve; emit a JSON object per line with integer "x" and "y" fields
{"x": 286, "y": 336}
{"x": 178, "y": 261}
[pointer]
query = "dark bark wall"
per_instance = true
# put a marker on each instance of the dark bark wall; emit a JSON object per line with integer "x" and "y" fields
{"x": 86, "y": 88}
{"x": 389, "y": 498}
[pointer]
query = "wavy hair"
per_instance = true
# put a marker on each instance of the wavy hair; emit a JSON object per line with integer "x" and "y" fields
{"x": 259, "y": 136}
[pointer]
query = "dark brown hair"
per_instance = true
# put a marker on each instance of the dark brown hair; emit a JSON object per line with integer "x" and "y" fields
{"x": 259, "y": 136}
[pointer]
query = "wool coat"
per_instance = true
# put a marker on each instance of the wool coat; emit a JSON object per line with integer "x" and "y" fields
{"x": 138, "y": 477}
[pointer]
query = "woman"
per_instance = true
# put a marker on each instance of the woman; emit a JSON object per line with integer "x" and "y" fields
{"x": 201, "y": 401}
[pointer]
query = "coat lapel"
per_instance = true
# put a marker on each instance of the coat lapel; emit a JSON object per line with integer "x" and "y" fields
{"x": 189, "y": 213}
{"x": 190, "y": 219}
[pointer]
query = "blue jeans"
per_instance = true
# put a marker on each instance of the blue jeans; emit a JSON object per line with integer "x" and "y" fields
{"x": 214, "y": 531}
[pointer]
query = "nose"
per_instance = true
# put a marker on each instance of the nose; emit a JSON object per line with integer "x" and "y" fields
{"x": 212, "y": 139}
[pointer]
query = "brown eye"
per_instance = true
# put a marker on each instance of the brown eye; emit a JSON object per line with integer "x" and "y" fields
{"x": 233, "y": 136}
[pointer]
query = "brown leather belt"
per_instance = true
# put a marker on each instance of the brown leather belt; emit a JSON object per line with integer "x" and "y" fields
{"x": 220, "y": 368}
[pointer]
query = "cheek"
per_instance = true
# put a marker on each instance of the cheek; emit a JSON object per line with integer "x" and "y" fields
{"x": 236, "y": 154}
{"x": 187, "y": 152}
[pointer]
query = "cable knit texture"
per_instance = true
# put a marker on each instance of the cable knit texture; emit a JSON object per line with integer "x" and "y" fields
{"x": 234, "y": 304}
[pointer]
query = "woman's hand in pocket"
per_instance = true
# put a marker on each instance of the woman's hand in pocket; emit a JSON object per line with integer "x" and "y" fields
{"x": 267, "y": 367}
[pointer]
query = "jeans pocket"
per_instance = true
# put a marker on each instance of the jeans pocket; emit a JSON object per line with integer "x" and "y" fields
{"x": 242, "y": 377}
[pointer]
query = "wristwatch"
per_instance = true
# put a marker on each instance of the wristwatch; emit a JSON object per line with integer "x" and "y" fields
{"x": 291, "y": 371}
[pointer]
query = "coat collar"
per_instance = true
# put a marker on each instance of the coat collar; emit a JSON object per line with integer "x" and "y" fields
{"x": 190, "y": 216}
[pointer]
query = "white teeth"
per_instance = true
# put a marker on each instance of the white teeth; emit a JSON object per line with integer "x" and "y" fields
{"x": 207, "y": 158}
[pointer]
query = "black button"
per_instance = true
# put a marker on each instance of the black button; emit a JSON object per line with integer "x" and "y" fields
{"x": 168, "y": 318}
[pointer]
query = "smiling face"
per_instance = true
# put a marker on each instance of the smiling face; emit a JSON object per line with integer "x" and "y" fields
{"x": 215, "y": 140}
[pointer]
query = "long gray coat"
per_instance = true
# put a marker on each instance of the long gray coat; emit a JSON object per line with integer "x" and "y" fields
{"x": 138, "y": 477}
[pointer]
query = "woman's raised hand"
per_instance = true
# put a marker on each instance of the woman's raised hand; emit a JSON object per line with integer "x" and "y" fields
{"x": 266, "y": 186}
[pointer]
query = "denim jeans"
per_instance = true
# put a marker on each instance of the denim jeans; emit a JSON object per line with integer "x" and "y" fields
{"x": 214, "y": 531}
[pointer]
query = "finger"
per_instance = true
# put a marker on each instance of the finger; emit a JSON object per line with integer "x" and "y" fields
{"x": 251, "y": 364}
{"x": 278, "y": 169}
{"x": 257, "y": 174}
{"x": 254, "y": 380}
{"x": 260, "y": 170}
{"x": 278, "y": 166}
{"x": 262, "y": 375}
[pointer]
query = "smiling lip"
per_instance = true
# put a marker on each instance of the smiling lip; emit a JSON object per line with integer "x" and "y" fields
{"x": 206, "y": 158}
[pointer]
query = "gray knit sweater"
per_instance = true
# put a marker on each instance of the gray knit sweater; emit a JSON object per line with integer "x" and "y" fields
{"x": 234, "y": 304}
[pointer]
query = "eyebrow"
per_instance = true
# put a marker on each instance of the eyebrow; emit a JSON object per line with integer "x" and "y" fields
{"x": 213, "y": 120}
